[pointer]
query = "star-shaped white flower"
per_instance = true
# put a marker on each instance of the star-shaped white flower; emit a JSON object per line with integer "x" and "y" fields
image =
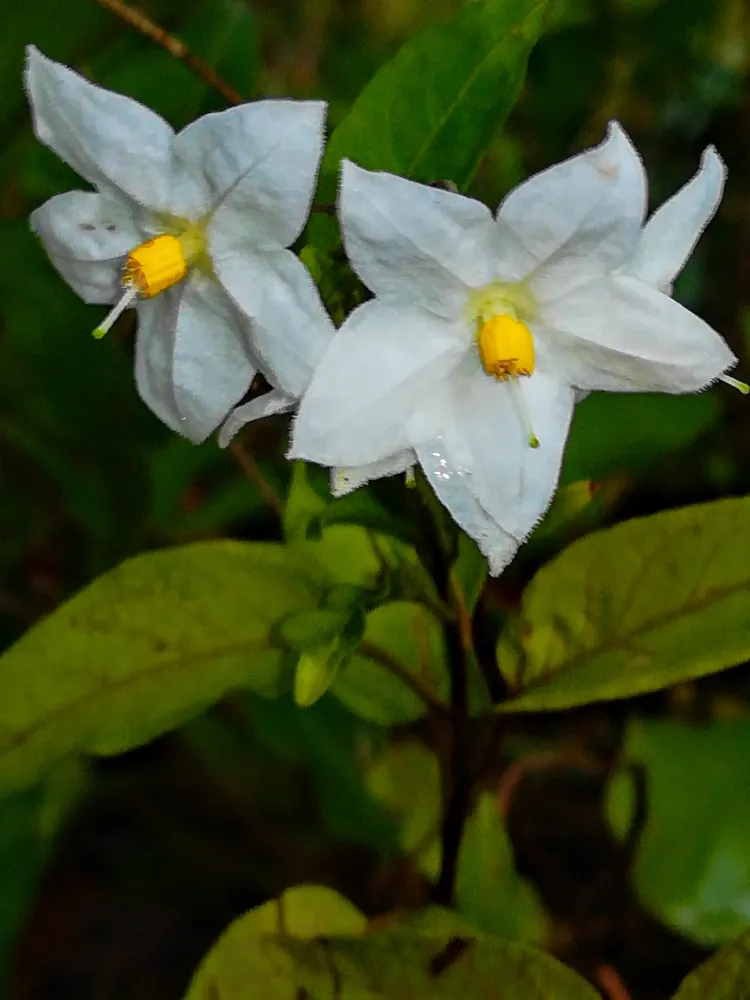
{"x": 190, "y": 229}
{"x": 485, "y": 330}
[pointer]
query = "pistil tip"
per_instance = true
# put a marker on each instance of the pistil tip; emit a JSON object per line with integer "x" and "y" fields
{"x": 99, "y": 332}
{"x": 735, "y": 383}
{"x": 533, "y": 441}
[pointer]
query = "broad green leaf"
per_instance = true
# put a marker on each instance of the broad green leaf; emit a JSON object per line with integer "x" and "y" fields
{"x": 490, "y": 893}
{"x": 412, "y": 639}
{"x": 146, "y": 646}
{"x": 432, "y": 110}
{"x": 725, "y": 976}
{"x": 635, "y": 608}
{"x": 692, "y": 867}
{"x": 316, "y": 945}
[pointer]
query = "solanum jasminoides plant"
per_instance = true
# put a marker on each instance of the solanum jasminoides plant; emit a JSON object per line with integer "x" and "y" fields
{"x": 409, "y": 332}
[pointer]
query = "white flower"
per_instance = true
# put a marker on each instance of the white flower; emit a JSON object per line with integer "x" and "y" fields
{"x": 190, "y": 229}
{"x": 484, "y": 330}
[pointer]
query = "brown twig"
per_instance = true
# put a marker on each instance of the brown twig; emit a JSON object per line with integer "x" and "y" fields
{"x": 609, "y": 980}
{"x": 138, "y": 20}
{"x": 371, "y": 651}
{"x": 252, "y": 470}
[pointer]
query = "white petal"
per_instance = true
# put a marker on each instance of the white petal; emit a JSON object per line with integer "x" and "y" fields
{"x": 257, "y": 166}
{"x": 583, "y": 214}
{"x": 109, "y": 139}
{"x": 412, "y": 244}
{"x": 673, "y": 230}
{"x": 453, "y": 491}
{"x": 381, "y": 365}
{"x": 87, "y": 237}
{"x": 346, "y": 479}
{"x": 154, "y": 348}
{"x": 290, "y": 327}
{"x": 211, "y": 367}
{"x": 622, "y": 335}
{"x": 267, "y": 405}
{"x": 489, "y": 442}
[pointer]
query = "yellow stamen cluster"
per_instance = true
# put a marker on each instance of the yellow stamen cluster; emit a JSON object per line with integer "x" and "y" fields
{"x": 506, "y": 347}
{"x": 156, "y": 265}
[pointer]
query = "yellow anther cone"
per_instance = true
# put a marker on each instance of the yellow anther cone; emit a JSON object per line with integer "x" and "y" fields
{"x": 506, "y": 347}
{"x": 156, "y": 265}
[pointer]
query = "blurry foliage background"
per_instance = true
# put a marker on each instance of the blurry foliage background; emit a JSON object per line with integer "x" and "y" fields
{"x": 115, "y": 878}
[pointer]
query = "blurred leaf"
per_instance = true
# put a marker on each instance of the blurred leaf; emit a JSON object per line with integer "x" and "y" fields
{"x": 692, "y": 868}
{"x": 615, "y": 433}
{"x": 29, "y": 822}
{"x": 144, "y": 647}
{"x": 316, "y": 944}
{"x": 635, "y": 608}
{"x": 430, "y": 112}
{"x": 725, "y": 976}
{"x": 334, "y": 746}
{"x": 412, "y": 637}
{"x": 489, "y": 892}
{"x": 405, "y": 780}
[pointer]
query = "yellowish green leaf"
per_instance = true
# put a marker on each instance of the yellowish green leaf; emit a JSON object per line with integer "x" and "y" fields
{"x": 635, "y": 608}
{"x": 146, "y": 646}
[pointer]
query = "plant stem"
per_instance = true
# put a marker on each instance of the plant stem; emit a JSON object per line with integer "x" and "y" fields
{"x": 457, "y": 778}
{"x": 437, "y": 551}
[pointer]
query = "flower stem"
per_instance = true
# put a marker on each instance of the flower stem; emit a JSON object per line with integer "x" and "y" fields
{"x": 252, "y": 470}
{"x": 138, "y": 20}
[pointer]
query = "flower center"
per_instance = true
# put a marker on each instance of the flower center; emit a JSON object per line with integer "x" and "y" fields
{"x": 154, "y": 266}
{"x": 504, "y": 341}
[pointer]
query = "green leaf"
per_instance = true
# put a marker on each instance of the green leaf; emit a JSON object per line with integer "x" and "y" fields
{"x": 692, "y": 867}
{"x": 411, "y": 637}
{"x": 635, "y": 608}
{"x": 249, "y": 960}
{"x": 315, "y": 944}
{"x": 146, "y": 646}
{"x": 725, "y": 976}
{"x": 490, "y": 893}
{"x": 431, "y": 111}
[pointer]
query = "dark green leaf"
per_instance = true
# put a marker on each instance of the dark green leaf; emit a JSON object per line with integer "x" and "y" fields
{"x": 430, "y": 112}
